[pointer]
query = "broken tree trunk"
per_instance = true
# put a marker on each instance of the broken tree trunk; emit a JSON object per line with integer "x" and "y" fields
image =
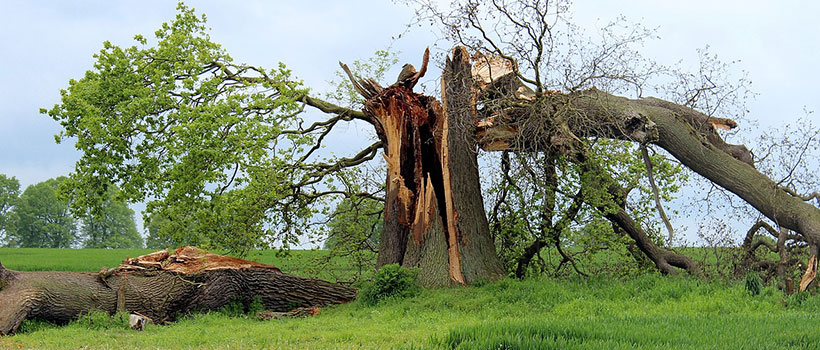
{"x": 434, "y": 214}
{"x": 515, "y": 118}
{"x": 160, "y": 286}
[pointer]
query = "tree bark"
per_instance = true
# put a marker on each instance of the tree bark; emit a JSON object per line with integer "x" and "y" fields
{"x": 519, "y": 120}
{"x": 665, "y": 260}
{"x": 159, "y": 286}
{"x": 434, "y": 213}
{"x": 726, "y": 165}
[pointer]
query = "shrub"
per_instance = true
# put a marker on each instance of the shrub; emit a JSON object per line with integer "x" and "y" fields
{"x": 391, "y": 281}
{"x": 101, "y": 320}
{"x": 753, "y": 283}
{"x": 239, "y": 308}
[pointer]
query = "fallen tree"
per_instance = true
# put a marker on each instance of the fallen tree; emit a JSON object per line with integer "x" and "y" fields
{"x": 519, "y": 119}
{"x": 434, "y": 215}
{"x": 239, "y": 167}
{"x": 160, "y": 286}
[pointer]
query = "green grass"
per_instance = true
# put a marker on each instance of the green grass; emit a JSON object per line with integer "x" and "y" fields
{"x": 645, "y": 312}
{"x": 299, "y": 262}
{"x": 77, "y": 260}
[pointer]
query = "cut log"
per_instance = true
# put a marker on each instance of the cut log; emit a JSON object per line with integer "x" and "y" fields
{"x": 159, "y": 286}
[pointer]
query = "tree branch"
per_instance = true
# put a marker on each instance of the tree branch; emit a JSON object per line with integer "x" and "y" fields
{"x": 655, "y": 193}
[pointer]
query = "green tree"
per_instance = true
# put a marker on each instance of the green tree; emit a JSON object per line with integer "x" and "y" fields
{"x": 111, "y": 226}
{"x": 220, "y": 150}
{"x": 355, "y": 225}
{"x": 43, "y": 219}
{"x": 185, "y": 125}
{"x": 9, "y": 191}
{"x": 160, "y": 239}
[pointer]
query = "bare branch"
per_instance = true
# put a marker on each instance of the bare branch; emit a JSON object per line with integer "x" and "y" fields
{"x": 655, "y": 193}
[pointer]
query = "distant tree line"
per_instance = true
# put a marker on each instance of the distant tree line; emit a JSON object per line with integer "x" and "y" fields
{"x": 39, "y": 217}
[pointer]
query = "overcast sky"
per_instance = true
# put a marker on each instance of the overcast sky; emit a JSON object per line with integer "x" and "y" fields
{"x": 46, "y": 43}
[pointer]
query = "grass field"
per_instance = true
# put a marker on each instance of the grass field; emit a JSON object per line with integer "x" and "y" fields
{"x": 645, "y": 312}
{"x": 299, "y": 262}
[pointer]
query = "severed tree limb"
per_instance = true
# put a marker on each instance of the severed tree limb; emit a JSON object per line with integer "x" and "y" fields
{"x": 675, "y": 128}
{"x": 365, "y": 87}
{"x": 160, "y": 286}
{"x": 810, "y": 274}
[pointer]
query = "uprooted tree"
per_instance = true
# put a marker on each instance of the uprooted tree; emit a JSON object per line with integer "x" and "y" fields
{"x": 222, "y": 151}
{"x": 160, "y": 286}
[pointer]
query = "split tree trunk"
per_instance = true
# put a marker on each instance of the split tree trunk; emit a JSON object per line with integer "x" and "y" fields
{"x": 434, "y": 213}
{"x": 160, "y": 286}
{"x": 434, "y": 216}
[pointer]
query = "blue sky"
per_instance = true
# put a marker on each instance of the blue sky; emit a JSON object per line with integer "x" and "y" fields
{"x": 46, "y": 43}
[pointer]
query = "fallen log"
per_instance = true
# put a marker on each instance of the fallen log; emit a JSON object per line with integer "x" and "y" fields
{"x": 160, "y": 286}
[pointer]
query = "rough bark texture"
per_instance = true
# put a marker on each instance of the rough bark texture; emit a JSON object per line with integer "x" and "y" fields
{"x": 160, "y": 286}
{"x": 690, "y": 136}
{"x": 507, "y": 115}
{"x": 665, "y": 260}
{"x": 434, "y": 215}
{"x": 471, "y": 230}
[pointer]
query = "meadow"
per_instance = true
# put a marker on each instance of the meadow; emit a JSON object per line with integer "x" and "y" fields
{"x": 640, "y": 312}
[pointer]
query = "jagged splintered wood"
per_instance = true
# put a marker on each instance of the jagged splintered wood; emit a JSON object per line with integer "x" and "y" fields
{"x": 434, "y": 216}
{"x": 514, "y": 118}
{"x": 160, "y": 286}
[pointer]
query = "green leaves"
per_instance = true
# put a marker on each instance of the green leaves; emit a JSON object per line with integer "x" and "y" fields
{"x": 391, "y": 281}
{"x": 42, "y": 219}
{"x": 111, "y": 226}
{"x": 178, "y": 124}
{"x": 9, "y": 191}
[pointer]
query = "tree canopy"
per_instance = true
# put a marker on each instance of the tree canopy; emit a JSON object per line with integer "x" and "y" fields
{"x": 204, "y": 140}
{"x": 111, "y": 226}
{"x": 223, "y": 155}
{"x": 43, "y": 219}
{"x": 9, "y": 191}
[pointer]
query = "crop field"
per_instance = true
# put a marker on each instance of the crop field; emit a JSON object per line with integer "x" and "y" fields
{"x": 643, "y": 312}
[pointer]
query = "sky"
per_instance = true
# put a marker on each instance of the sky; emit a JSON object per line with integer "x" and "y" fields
{"x": 46, "y": 43}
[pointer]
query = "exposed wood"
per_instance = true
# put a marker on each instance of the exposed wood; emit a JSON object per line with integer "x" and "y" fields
{"x": 409, "y": 76}
{"x": 477, "y": 252}
{"x": 137, "y": 322}
{"x": 425, "y": 209}
{"x": 189, "y": 280}
{"x": 456, "y": 273}
{"x": 810, "y": 274}
{"x": 366, "y": 87}
{"x": 430, "y": 221}
{"x": 688, "y": 135}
